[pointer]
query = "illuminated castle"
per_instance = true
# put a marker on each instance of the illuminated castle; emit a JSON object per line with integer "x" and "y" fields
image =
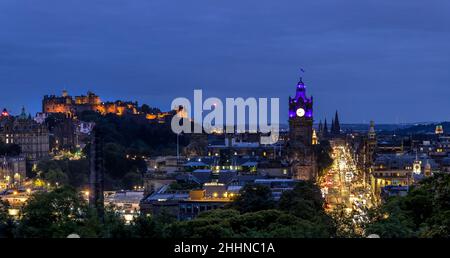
{"x": 70, "y": 106}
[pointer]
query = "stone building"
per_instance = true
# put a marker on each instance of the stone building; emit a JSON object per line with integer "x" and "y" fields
{"x": 32, "y": 137}
{"x": 12, "y": 170}
{"x": 299, "y": 147}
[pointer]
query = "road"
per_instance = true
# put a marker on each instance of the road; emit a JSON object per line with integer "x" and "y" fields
{"x": 345, "y": 186}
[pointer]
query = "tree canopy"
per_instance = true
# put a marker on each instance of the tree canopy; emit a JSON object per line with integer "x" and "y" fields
{"x": 424, "y": 212}
{"x": 253, "y": 197}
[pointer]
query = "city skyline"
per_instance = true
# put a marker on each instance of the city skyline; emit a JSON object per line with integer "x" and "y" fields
{"x": 328, "y": 118}
{"x": 384, "y": 62}
{"x": 188, "y": 123}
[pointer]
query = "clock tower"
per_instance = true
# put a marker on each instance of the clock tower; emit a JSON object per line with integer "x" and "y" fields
{"x": 300, "y": 118}
{"x": 300, "y": 145}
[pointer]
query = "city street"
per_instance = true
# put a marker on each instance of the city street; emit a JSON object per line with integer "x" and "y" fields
{"x": 345, "y": 186}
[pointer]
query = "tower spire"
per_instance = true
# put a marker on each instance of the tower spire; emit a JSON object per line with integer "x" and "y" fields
{"x": 301, "y": 75}
{"x": 333, "y": 128}
{"x": 337, "y": 125}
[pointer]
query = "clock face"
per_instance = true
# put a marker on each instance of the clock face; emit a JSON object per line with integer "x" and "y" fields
{"x": 300, "y": 112}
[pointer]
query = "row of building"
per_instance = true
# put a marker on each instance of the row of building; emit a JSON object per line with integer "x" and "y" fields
{"x": 395, "y": 162}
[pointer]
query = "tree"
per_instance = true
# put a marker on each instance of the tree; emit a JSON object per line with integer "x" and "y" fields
{"x": 146, "y": 227}
{"x": 56, "y": 176}
{"x": 202, "y": 227}
{"x": 229, "y": 223}
{"x": 254, "y": 197}
{"x": 114, "y": 226}
{"x": 424, "y": 212}
{"x": 62, "y": 212}
{"x": 305, "y": 201}
{"x": 72, "y": 172}
{"x": 391, "y": 221}
{"x": 6, "y": 223}
{"x": 54, "y": 214}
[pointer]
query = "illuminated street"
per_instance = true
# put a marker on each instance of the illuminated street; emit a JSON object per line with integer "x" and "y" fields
{"x": 345, "y": 186}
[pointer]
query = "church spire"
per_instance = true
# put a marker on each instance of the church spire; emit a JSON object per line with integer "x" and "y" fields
{"x": 333, "y": 129}
{"x": 325, "y": 128}
{"x": 337, "y": 125}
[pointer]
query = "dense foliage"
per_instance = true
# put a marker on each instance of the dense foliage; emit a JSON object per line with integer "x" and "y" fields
{"x": 230, "y": 223}
{"x": 424, "y": 212}
{"x": 65, "y": 172}
{"x": 253, "y": 198}
{"x": 6, "y": 222}
{"x": 62, "y": 212}
{"x": 54, "y": 214}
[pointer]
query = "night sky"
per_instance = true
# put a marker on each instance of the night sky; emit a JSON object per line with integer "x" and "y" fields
{"x": 383, "y": 60}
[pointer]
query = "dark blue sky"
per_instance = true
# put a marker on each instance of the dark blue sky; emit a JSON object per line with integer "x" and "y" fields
{"x": 382, "y": 60}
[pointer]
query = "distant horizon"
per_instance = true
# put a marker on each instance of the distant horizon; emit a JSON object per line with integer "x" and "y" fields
{"x": 37, "y": 109}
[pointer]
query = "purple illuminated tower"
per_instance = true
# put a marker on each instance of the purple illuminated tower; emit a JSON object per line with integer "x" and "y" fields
{"x": 300, "y": 149}
{"x": 300, "y": 117}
